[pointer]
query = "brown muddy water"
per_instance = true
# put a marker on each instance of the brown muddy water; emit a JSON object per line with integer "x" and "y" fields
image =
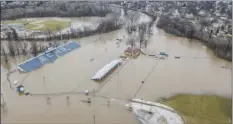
{"x": 198, "y": 71}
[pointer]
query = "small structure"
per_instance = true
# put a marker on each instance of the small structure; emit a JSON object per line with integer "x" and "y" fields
{"x": 106, "y": 70}
{"x": 86, "y": 92}
{"x": 163, "y": 54}
{"x": 132, "y": 52}
{"x": 20, "y": 90}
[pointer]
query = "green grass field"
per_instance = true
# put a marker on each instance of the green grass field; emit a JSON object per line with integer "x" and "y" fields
{"x": 54, "y": 25}
{"x": 208, "y": 109}
{"x": 30, "y": 26}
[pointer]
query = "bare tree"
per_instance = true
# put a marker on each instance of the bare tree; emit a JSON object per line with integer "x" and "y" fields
{"x": 9, "y": 36}
{"x": 24, "y": 50}
{"x": 50, "y": 33}
{"x": 5, "y": 55}
{"x": 59, "y": 29}
{"x": 15, "y": 35}
{"x": 34, "y": 48}
{"x": 131, "y": 42}
{"x": 11, "y": 48}
{"x": 145, "y": 43}
{"x": 125, "y": 9}
{"x": 17, "y": 49}
{"x": 142, "y": 31}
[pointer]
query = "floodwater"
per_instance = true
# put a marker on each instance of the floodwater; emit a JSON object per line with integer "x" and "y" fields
{"x": 198, "y": 71}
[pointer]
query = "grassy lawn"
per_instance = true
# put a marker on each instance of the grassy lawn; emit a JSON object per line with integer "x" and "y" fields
{"x": 30, "y": 26}
{"x": 49, "y": 24}
{"x": 197, "y": 109}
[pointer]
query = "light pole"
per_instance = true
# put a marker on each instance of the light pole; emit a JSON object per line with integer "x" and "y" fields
{"x": 94, "y": 118}
{"x": 44, "y": 81}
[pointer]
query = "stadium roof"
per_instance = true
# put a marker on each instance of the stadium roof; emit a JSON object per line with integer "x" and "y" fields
{"x": 102, "y": 72}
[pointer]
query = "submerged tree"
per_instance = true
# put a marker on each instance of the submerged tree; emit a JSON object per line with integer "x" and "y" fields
{"x": 131, "y": 42}
{"x": 15, "y": 35}
{"x": 34, "y": 48}
{"x": 11, "y": 48}
{"x": 50, "y": 33}
{"x": 59, "y": 29}
{"x": 24, "y": 50}
{"x": 3, "y": 53}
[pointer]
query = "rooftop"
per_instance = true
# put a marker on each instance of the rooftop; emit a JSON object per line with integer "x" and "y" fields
{"x": 102, "y": 72}
{"x": 132, "y": 50}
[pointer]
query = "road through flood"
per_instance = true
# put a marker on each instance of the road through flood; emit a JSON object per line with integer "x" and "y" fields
{"x": 198, "y": 71}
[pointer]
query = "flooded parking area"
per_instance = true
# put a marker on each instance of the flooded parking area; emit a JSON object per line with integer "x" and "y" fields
{"x": 197, "y": 71}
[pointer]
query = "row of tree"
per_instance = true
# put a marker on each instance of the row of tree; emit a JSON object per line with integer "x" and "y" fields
{"x": 58, "y": 8}
{"x": 110, "y": 23}
{"x": 142, "y": 31}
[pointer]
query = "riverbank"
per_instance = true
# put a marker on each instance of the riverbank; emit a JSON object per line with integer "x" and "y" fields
{"x": 201, "y": 109}
{"x": 220, "y": 45}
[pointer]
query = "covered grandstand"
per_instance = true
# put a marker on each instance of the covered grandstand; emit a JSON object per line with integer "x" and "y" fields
{"x": 106, "y": 70}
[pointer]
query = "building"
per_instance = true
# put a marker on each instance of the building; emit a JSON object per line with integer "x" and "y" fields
{"x": 132, "y": 52}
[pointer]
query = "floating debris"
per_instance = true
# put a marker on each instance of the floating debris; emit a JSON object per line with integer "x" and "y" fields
{"x": 89, "y": 100}
{"x": 123, "y": 57}
{"x": 27, "y": 93}
{"x": 177, "y": 57}
{"x": 151, "y": 55}
{"x": 120, "y": 40}
{"x": 91, "y": 59}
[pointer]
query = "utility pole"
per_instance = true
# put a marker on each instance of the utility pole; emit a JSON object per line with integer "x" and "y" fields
{"x": 44, "y": 81}
{"x": 94, "y": 119}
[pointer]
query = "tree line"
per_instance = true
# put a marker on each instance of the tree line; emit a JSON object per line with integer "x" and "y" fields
{"x": 53, "y": 9}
